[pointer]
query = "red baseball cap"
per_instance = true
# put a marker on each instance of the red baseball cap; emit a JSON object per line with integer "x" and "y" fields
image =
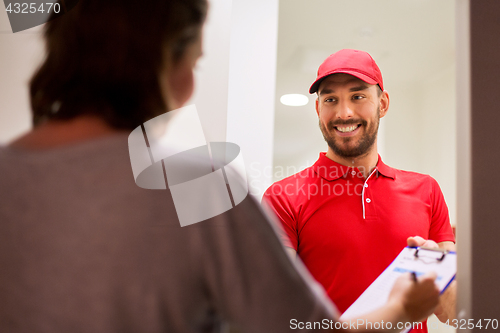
{"x": 354, "y": 62}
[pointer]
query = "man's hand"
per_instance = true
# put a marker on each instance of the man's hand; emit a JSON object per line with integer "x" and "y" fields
{"x": 447, "y": 302}
{"x": 419, "y": 241}
{"x": 419, "y": 298}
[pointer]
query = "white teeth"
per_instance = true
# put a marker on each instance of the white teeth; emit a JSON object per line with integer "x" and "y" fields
{"x": 347, "y": 129}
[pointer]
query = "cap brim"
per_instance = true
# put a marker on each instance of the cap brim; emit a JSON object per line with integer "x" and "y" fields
{"x": 315, "y": 86}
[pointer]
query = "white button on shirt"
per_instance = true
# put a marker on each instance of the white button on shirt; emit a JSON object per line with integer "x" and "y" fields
{"x": 368, "y": 200}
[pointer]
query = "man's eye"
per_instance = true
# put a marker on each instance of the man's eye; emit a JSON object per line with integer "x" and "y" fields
{"x": 329, "y": 100}
{"x": 357, "y": 97}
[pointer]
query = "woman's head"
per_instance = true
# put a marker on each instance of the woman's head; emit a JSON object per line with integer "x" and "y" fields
{"x": 118, "y": 60}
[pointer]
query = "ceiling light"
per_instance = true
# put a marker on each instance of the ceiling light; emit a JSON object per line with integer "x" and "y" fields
{"x": 294, "y": 99}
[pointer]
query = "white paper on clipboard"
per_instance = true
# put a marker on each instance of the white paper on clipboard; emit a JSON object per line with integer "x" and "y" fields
{"x": 411, "y": 259}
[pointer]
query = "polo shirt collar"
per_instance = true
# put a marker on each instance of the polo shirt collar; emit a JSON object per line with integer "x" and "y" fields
{"x": 331, "y": 170}
{"x": 384, "y": 169}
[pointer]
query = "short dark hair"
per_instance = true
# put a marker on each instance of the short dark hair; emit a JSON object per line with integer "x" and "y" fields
{"x": 104, "y": 58}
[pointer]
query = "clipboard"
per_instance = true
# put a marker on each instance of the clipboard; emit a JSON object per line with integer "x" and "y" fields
{"x": 418, "y": 260}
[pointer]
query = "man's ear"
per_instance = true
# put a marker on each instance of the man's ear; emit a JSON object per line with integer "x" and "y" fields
{"x": 317, "y": 110}
{"x": 384, "y": 103}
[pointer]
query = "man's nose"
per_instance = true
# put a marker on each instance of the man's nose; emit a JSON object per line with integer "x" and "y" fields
{"x": 344, "y": 111}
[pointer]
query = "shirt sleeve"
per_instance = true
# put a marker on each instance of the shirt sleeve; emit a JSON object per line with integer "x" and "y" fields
{"x": 254, "y": 283}
{"x": 440, "y": 228}
{"x": 279, "y": 207}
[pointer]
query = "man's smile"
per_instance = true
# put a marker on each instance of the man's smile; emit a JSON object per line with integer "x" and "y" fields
{"x": 347, "y": 128}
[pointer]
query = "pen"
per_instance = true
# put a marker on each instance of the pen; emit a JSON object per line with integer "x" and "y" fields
{"x": 414, "y": 276}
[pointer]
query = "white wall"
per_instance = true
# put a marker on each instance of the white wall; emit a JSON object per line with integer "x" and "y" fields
{"x": 438, "y": 143}
{"x": 420, "y": 130}
{"x": 19, "y": 55}
{"x": 252, "y": 78}
{"x": 403, "y": 125}
{"x": 212, "y": 73}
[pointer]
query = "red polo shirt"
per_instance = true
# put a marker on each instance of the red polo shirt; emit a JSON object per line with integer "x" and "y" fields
{"x": 347, "y": 230}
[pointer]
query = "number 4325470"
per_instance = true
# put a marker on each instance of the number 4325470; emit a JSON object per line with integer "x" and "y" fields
{"x": 471, "y": 323}
{"x": 32, "y": 8}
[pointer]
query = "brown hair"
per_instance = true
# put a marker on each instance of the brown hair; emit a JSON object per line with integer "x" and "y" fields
{"x": 104, "y": 58}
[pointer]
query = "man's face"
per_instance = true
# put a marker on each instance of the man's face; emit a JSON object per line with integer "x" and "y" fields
{"x": 349, "y": 112}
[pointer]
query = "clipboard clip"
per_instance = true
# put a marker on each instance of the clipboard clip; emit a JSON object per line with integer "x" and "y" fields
{"x": 444, "y": 252}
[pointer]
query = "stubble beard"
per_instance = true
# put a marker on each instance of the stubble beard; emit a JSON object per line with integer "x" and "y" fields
{"x": 365, "y": 143}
